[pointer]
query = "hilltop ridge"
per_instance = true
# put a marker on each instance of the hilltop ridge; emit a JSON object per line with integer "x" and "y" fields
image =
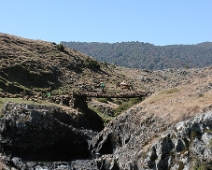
{"x": 147, "y": 56}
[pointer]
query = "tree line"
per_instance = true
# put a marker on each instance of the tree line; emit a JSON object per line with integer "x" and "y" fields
{"x": 145, "y": 55}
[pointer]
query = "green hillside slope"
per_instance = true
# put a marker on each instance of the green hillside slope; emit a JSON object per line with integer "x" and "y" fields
{"x": 147, "y": 56}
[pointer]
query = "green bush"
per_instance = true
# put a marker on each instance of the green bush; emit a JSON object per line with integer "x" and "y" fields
{"x": 60, "y": 47}
{"x": 103, "y": 100}
{"x": 91, "y": 63}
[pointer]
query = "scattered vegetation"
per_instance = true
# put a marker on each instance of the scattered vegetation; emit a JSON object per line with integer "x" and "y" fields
{"x": 91, "y": 63}
{"x": 126, "y": 105}
{"x": 105, "y": 64}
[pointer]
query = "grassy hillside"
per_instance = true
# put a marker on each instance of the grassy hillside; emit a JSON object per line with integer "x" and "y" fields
{"x": 35, "y": 67}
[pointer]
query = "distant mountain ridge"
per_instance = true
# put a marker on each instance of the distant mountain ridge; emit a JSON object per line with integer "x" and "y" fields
{"x": 146, "y": 55}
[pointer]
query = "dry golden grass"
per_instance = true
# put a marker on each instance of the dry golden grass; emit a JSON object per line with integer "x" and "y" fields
{"x": 182, "y": 102}
{"x": 189, "y": 94}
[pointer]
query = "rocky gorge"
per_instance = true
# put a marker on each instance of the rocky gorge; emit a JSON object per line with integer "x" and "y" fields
{"x": 43, "y": 127}
{"x": 33, "y": 135}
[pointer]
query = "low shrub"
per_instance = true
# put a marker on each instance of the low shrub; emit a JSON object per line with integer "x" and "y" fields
{"x": 91, "y": 63}
{"x": 103, "y": 100}
{"x": 60, "y": 47}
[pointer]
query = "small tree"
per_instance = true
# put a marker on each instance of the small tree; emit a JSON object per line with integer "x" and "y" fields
{"x": 60, "y": 47}
{"x": 91, "y": 63}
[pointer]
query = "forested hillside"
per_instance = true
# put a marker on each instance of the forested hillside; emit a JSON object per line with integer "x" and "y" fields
{"x": 147, "y": 56}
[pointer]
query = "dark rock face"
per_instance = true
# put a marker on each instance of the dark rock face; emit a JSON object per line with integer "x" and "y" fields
{"x": 124, "y": 138}
{"x": 48, "y": 133}
{"x": 185, "y": 145}
{"x": 45, "y": 133}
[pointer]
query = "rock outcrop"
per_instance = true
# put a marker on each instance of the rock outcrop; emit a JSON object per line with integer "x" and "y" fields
{"x": 45, "y": 133}
{"x": 128, "y": 143}
{"x": 132, "y": 141}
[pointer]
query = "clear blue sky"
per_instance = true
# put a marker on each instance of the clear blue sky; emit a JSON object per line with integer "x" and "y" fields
{"x": 159, "y": 22}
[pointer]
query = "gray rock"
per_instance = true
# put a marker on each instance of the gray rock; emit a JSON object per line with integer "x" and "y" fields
{"x": 206, "y": 138}
{"x": 176, "y": 148}
{"x": 123, "y": 144}
{"x": 19, "y": 163}
{"x": 44, "y": 133}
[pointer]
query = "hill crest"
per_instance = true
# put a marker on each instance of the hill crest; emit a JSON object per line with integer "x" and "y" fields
{"x": 147, "y": 56}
